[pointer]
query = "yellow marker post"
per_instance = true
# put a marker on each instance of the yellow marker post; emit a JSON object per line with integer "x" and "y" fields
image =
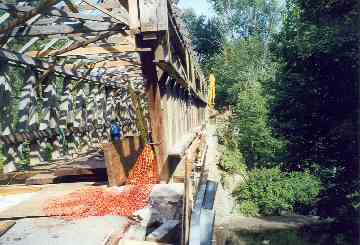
{"x": 212, "y": 91}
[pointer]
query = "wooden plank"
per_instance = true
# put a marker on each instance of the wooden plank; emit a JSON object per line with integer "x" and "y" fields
{"x": 43, "y": 6}
{"x": 28, "y": 44}
{"x": 115, "y": 169}
{"x": 134, "y": 16}
{"x": 108, "y": 4}
{"x": 103, "y": 64}
{"x": 91, "y": 51}
{"x": 40, "y": 30}
{"x": 72, "y": 6}
{"x": 5, "y": 226}
{"x": 168, "y": 67}
{"x": 4, "y": 17}
{"x": 153, "y": 15}
{"x": 27, "y": 60}
{"x": 49, "y": 44}
{"x": 52, "y": 11}
{"x": 120, "y": 157}
{"x": 41, "y": 179}
{"x": 115, "y": 16}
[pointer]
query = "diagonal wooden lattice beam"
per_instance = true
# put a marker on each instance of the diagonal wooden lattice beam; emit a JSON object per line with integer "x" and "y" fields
{"x": 44, "y": 5}
{"x": 76, "y": 46}
{"x": 107, "y": 12}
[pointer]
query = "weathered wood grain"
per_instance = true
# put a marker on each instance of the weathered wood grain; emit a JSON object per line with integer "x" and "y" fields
{"x": 153, "y": 15}
{"x": 120, "y": 157}
{"x": 91, "y": 51}
{"x": 42, "y": 30}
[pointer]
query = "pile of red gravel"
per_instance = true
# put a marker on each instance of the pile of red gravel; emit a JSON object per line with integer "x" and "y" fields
{"x": 100, "y": 201}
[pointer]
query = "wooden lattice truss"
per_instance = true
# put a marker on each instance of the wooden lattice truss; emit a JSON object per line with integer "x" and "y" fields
{"x": 75, "y": 60}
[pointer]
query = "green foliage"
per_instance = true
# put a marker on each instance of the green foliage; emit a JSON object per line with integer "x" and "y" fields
{"x": 241, "y": 64}
{"x": 207, "y": 34}
{"x": 241, "y": 71}
{"x": 255, "y": 137}
{"x": 246, "y": 18}
{"x": 249, "y": 208}
{"x": 273, "y": 191}
{"x": 225, "y": 133}
{"x": 232, "y": 161}
{"x": 315, "y": 96}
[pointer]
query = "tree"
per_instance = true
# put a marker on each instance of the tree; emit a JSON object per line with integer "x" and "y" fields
{"x": 207, "y": 34}
{"x": 245, "y": 18}
{"x": 316, "y": 96}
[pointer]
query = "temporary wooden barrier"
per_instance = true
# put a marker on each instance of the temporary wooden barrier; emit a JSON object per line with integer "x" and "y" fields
{"x": 120, "y": 157}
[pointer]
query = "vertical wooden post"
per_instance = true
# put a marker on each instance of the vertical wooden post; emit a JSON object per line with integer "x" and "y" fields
{"x": 156, "y": 114}
{"x": 9, "y": 151}
{"x": 134, "y": 15}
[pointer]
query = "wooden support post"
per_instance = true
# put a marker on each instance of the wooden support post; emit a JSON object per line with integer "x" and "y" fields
{"x": 156, "y": 114}
{"x": 134, "y": 22}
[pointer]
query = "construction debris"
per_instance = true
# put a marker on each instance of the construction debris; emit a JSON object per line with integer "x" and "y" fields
{"x": 98, "y": 201}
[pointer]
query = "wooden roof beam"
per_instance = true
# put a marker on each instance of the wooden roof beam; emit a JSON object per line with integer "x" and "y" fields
{"x": 26, "y": 60}
{"x": 104, "y": 64}
{"x": 115, "y": 16}
{"x": 91, "y": 51}
{"x": 87, "y": 27}
{"x": 27, "y": 16}
{"x": 72, "y": 6}
{"x": 19, "y": 11}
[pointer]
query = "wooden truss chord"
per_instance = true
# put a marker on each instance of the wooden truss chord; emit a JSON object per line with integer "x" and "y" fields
{"x": 41, "y": 30}
{"x": 113, "y": 15}
{"x": 91, "y": 51}
{"x": 26, "y": 60}
{"x": 19, "y": 11}
{"x": 28, "y": 15}
{"x": 103, "y": 64}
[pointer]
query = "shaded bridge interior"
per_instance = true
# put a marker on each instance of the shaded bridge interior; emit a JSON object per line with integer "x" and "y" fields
{"x": 66, "y": 68}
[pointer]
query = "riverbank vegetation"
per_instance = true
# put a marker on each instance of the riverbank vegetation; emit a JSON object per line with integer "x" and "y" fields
{"x": 289, "y": 72}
